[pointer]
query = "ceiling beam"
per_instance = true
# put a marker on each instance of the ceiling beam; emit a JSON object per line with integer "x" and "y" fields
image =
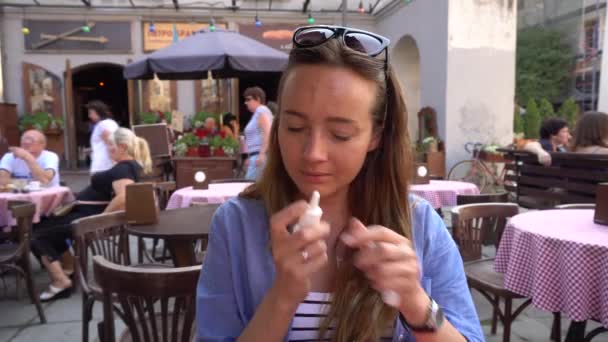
{"x": 270, "y": 5}
{"x": 132, "y": 3}
{"x": 86, "y": 2}
{"x": 36, "y": 2}
{"x": 176, "y": 4}
{"x": 372, "y": 8}
{"x": 305, "y": 6}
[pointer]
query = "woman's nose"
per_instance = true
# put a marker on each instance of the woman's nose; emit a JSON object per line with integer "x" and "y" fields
{"x": 316, "y": 147}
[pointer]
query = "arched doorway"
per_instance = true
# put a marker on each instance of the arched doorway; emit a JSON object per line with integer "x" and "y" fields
{"x": 98, "y": 81}
{"x": 406, "y": 60}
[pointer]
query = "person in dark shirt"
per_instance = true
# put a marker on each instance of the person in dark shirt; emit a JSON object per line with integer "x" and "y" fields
{"x": 105, "y": 193}
{"x": 554, "y": 137}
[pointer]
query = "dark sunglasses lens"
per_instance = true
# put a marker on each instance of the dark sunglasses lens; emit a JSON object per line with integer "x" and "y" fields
{"x": 313, "y": 36}
{"x": 363, "y": 43}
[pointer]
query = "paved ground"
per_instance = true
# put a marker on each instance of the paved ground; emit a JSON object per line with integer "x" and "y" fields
{"x": 19, "y": 321}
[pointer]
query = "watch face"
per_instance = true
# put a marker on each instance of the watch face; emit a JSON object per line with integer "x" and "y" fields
{"x": 438, "y": 316}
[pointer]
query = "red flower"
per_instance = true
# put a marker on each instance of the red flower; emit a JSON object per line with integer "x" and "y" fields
{"x": 200, "y": 133}
{"x": 222, "y": 134}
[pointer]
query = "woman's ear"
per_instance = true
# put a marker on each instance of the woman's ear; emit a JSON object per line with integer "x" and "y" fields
{"x": 375, "y": 141}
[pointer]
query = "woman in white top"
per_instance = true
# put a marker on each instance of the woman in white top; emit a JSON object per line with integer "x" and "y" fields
{"x": 100, "y": 138}
{"x": 591, "y": 134}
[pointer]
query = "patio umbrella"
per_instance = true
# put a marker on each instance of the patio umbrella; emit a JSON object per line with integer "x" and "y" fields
{"x": 224, "y": 53}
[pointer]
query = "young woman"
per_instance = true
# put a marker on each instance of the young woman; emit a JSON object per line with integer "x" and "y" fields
{"x": 591, "y": 134}
{"x": 100, "y": 137}
{"x": 106, "y": 193}
{"x": 340, "y": 130}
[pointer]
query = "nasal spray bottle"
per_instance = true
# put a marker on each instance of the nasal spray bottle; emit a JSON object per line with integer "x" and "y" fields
{"x": 312, "y": 215}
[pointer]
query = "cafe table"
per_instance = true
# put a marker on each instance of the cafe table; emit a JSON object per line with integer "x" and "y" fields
{"x": 216, "y": 193}
{"x": 442, "y": 193}
{"x": 559, "y": 259}
{"x": 46, "y": 200}
{"x": 180, "y": 229}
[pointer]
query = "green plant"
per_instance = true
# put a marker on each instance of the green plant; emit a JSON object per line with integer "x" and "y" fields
{"x": 532, "y": 120}
{"x": 569, "y": 112}
{"x": 518, "y": 121}
{"x": 230, "y": 145}
{"x": 188, "y": 139}
{"x": 168, "y": 117}
{"x": 545, "y": 110}
{"x": 180, "y": 149}
{"x": 149, "y": 118}
{"x": 544, "y": 64}
{"x": 216, "y": 142}
{"x": 39, "y": 121}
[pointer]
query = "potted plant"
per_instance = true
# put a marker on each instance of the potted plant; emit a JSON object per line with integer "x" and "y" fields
{"x": 149, "y": 118}
{"x": 230, "y": 146}
{"x": 39, "y": 121}
{"x": 180, "y": 149}
{"x": 204, "y": 150}
{"x": 430, "y": 144}
{"x": 216, "y": 146}
{"x": 55, "y": 126}
{"x": 191, "y": 142}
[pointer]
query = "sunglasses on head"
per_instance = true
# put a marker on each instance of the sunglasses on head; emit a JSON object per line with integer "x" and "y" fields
{"x": 362, "y": 41}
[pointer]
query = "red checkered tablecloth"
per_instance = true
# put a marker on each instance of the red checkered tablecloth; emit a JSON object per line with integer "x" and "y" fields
{"x": 559, "y": 258}
{"x": 216, "y": 193}
{"x": 443, "y": 193}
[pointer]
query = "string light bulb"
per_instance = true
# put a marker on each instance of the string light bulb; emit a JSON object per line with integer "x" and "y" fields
{"x": 361, "y": 9}
{"x": 258, "y": 22}
{"x": 311, "y": 19}
{"x": 86, "y": 29}
{"x": 25, "y": 30}
{"x": 152, "y": 27}
{"x": 212, "y": 25}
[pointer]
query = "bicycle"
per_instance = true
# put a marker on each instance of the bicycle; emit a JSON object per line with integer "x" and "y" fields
{"x": 476, "y": 170}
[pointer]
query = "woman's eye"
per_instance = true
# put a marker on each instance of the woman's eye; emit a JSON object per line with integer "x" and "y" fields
{"x": 295, "y": 129}
{"x": 341, "y": 137}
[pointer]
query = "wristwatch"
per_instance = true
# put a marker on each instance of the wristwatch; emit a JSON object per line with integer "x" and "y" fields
{"x": 434, "y": 319}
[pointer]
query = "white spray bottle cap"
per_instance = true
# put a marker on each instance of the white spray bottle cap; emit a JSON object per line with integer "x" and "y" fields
{"x": 312, "y": 215}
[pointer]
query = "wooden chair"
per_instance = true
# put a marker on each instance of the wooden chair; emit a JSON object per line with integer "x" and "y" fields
{"x": 163, "y": 190}
{"x": 97, "y": 235}
{"x": 16, "y": 256}
{"x": 576, "y": 206}
{"x": 499, "y": 197}
{"x": 141, "y": 293}
{"x": 473, "y": 223}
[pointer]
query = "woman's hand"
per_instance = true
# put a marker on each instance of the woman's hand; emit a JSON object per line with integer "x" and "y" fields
{"x": 390, "y": 264}
{"x": 296, "y": 256}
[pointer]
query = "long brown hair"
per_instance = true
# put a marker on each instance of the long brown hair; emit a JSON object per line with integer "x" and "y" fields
{"x": 591, "y": 130}
{"x": 378, "y": 194}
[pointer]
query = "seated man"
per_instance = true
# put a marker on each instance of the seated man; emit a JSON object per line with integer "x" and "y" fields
{"x": 30, "y": 161}
{"x": 554, "y": 137}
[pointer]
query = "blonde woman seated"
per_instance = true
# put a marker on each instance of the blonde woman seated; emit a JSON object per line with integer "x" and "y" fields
{"x": 106, "y": 193}
{"x": 591, "y": 134}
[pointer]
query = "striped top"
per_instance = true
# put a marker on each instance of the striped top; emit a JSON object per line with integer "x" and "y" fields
{"x": 309, "y": 315}
{"x": 254, "y": 136}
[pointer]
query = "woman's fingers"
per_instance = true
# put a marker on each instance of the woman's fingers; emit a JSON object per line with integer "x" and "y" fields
{"x": 358, "y": 236}
{"x": 280, "y": 220}
{"x": 380, "y": 253}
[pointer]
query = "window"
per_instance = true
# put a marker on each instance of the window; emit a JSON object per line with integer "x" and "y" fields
{"x": 591, "y": 34}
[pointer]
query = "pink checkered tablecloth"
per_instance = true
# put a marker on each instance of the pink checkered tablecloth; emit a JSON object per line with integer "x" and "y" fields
{"x": 443, "y": 193}
{"x": 46, "y": 201}
{"x": 216, "y": 193}
{"x": 559, "y": 258}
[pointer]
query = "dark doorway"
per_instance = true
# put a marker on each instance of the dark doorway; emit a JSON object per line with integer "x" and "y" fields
{"x": 269, "y": 82}
{"x": 99, "y": 81}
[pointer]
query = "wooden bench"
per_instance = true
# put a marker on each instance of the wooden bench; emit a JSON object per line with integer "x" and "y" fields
{"x": 571, "y": 178}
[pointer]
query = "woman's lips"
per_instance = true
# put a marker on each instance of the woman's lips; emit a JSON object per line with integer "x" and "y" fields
{"x": 315, "y": 177}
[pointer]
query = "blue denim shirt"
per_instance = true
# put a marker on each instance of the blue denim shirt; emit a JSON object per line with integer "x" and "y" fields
{"x": 239, "y": 270}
